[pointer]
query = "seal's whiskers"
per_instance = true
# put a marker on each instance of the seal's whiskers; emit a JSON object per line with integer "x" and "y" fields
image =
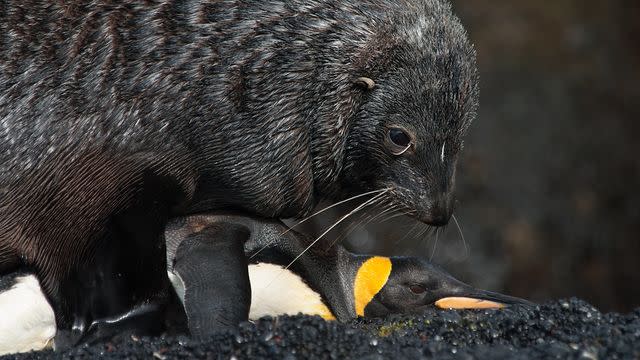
{"x": 361, "y": 206}
{"x": 403, "y": 213}
{"x": 373, "y": 200}
{"x": 425, "y": 231}
{"x": 464, "y": 242}
{"x": 363, "y": 221}
{"x": 406, "y": 235}
{"x": 435, "y": 245}
{"x": 334, "y": 205}
{"x": 269, "y": 243}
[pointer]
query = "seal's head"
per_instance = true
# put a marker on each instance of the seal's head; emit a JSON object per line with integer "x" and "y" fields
{"x": 421, "y": 92}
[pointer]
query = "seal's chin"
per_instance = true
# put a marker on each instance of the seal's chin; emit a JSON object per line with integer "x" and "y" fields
{"x": 437, "y": 218}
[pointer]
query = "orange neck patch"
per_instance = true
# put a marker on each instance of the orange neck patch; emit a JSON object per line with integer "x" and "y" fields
{"x": 370, "y": 279}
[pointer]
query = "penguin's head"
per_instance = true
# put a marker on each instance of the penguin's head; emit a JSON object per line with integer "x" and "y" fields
{"x": 405, "y": 285}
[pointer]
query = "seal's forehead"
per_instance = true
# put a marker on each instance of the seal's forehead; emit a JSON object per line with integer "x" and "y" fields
{"x": 437, "y": 99}
{"x": 432, "y": 30}
{"x": 443, "y": 87}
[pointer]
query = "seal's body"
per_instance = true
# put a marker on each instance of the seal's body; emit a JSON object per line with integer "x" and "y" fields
{"x": 116, "y": 116}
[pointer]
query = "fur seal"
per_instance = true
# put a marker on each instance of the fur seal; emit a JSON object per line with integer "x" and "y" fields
{"x": 336, "y": 285}
{"x": 117, "y": 116}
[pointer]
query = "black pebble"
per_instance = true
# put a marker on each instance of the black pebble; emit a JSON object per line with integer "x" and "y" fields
{"x": 565, "y": 329}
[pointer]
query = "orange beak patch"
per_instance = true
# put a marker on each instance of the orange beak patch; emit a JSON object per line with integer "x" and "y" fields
{"x": 467, "y": 303}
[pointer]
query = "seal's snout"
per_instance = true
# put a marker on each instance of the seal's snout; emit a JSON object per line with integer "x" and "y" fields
{"x": 439, "y": 212}
{"x": 440, "y": 216}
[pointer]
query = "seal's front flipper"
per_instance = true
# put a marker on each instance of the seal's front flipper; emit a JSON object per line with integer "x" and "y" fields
{"x": 210, "y": 274}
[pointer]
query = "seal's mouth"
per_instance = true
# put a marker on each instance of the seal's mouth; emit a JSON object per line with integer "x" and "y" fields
{"x": 434, "y": 210}
{"x": 431, "y": 218}
{"x": 436, "y": 219}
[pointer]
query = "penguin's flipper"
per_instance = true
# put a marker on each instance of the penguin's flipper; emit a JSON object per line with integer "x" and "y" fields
{"x": 143, "y": 319}
{"x": 211, "y": 267}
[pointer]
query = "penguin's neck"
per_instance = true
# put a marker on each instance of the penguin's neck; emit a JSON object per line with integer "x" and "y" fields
{"x": 315, "y": 277}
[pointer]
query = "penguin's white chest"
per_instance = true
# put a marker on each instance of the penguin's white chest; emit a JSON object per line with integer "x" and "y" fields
{"x": 276, "y": 291}
{"x": 27, "y": 321}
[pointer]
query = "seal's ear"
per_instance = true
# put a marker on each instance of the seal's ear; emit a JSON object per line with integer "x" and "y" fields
{"x": 365, "y": 83}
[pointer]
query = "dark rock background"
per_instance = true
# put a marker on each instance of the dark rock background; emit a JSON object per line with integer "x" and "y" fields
{"x": 547, "y": 188}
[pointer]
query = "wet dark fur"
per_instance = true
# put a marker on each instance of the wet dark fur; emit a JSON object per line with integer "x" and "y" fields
{"x": 117, "y": 115}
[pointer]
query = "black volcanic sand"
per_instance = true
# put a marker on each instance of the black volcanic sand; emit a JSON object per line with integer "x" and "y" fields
{"x": 566, "y": 329}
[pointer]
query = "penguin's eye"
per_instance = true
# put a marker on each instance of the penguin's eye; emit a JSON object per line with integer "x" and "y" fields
{"x": 417, "y": 289}
{"x": 398, "y": 140}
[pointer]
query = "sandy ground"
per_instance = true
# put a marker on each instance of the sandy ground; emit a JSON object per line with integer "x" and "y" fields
{"x": 565, "y": 329}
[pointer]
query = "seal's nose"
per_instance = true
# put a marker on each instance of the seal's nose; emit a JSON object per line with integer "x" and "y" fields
{"x": 439, "y": 219}
{"x": 441, "y": 211}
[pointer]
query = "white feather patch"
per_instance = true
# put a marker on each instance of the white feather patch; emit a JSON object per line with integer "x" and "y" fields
{"x": 275, "y": 291}
{"x": 27, "y": 321}
{"x": 178, "y": 285}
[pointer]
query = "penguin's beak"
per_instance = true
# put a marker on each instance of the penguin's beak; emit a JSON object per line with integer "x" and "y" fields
{"x": 487, "y": 300}
{"x": 463, "y": 296}
{"x": 467, "y": 303}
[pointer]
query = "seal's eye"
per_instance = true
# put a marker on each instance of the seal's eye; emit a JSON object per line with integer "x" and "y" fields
{"x": 399, "y": 137}
{"x": 399, "y": 140}
{"x": 417, "y": 289}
